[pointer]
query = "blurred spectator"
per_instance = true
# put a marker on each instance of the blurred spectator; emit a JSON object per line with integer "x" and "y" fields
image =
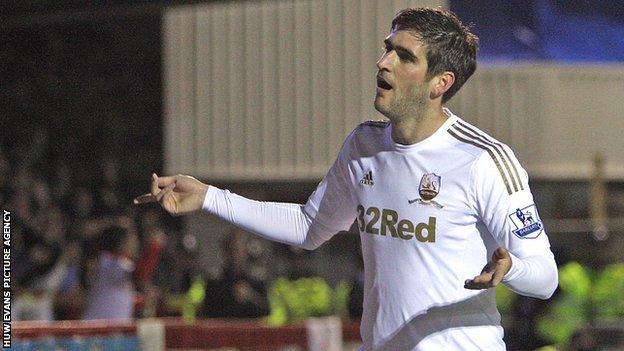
{"x": 108, "y": 195}
{"x": 174, "y": 270}
{"x": 80, "y": 209}
{"x": 177, "y": 270}
{"x": 146, "y": 267}
{"x": 36, "y": 277}
{"x": 70, "y": 299}
{"x": 241, "y": 290}
{"x": 112, "y": 292}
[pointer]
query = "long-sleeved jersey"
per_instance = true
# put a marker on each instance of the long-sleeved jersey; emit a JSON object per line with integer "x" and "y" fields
{"x": 430, "y": 216}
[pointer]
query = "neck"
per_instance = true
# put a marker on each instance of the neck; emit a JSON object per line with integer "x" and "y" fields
{"x": 411, "y": 130}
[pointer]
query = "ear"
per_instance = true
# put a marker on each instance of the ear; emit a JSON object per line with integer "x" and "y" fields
{"x": 441, "y": 83}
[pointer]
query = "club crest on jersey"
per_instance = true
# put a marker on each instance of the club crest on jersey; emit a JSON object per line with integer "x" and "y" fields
{"x": 527, "y": 222}
{"x": 429, "y": 186}
{"x": 428, "y": 189}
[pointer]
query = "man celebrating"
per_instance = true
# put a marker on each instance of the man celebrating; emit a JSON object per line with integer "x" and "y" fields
{"x": 436, "y": 201}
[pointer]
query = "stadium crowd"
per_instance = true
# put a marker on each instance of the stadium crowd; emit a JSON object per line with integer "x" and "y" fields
{"x": 75, "y": 242}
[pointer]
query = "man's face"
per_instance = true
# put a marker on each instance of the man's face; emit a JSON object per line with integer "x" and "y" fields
{"x": 402, "y": 88}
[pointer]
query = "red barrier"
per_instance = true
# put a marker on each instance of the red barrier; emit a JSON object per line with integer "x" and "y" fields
{"x": 240, "y": 334}
{"x": 36, "y": 329}
{"x": 210, "y": 333}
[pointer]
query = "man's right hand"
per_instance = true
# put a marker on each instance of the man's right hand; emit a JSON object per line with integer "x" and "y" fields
{"x": 178, "y": 194}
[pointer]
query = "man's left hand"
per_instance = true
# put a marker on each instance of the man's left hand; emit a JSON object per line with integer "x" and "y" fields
{"x": 493, "y": 272}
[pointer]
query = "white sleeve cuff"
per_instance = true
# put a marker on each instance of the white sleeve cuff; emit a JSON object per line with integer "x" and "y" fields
{"x": 534, "y": 276}
{"x": 209, "y": 198}
{"x": 517, "y": 267}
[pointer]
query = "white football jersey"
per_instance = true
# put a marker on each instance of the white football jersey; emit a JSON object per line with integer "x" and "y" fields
{"x": 430, "y": 216}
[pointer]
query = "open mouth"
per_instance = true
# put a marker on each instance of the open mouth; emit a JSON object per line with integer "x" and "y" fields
{"x": 381, "y": 83}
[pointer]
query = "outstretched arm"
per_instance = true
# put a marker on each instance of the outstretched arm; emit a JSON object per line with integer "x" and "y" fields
{"x": 285, "y": 223}
{"x": 329, "y": 209}
{"x": 290, "y": 224}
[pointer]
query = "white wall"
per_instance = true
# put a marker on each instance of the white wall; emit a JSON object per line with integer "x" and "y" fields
{"x": 555, "y": 117}
{"x": 267, "y": 90}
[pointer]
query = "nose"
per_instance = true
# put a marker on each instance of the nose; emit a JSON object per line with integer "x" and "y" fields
{"x": 383, "y": 64}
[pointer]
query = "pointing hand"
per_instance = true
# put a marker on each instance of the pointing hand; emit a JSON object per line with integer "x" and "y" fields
{"x": 178, "y": 194}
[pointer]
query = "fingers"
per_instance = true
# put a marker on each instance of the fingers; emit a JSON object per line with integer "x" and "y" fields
{"x": 498, "y": 277}
{"x": 482, "y": 281}
{"x": 144, "y": 199}
{"x": 156, "y": 193}
{"x": 165, "y": 191}
{"x": 493, "y": 272}
{"x": 503, "y": 263}
{"x": 165, "y": 198}
{"x": 154, "y": 185}
{"x": 164, "y": 181}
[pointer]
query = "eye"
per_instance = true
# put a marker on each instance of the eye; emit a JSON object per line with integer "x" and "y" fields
{"x": 405, "y": 57}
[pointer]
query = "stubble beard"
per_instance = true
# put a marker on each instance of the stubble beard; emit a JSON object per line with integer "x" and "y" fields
{"x": 405, "y": 106}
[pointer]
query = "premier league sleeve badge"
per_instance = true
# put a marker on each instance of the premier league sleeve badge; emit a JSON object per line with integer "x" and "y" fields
{"x": 527, "y": 222}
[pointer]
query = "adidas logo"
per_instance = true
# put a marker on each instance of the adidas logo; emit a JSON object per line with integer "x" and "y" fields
{"x": 368, "y": 178}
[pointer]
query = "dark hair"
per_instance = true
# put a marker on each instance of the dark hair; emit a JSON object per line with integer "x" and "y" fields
{"x": 450, "y": 46}
{"x": 112, "y": 239}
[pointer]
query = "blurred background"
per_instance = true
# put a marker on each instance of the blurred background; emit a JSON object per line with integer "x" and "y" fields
{"x": 257, "y": 97}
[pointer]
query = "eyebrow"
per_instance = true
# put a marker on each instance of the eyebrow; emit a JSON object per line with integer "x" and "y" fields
{"x": 404, "y": 50}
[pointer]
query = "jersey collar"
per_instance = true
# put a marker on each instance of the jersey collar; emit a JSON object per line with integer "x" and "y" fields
{"x": 438, "y": 135}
